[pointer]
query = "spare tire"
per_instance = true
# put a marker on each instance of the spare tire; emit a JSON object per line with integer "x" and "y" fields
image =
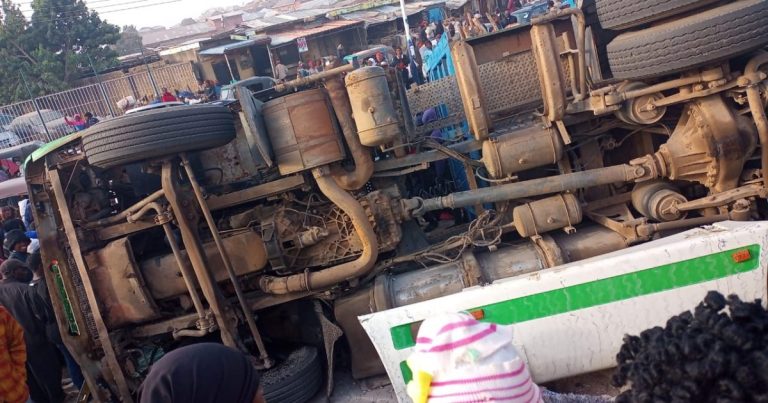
{"x": 294, "y": 380}
{"x": 157, "y": 133}
{"x": 622, "y": 14}
{"x": 705, "y": 38}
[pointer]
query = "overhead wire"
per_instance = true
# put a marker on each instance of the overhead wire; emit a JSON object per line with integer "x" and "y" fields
{"x": 98, "y": 9}
{"x": 78, "y": 14}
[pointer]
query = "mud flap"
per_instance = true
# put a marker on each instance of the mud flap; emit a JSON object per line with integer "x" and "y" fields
{"x": 571, "y": 319}
{"x": 331, "y": 333}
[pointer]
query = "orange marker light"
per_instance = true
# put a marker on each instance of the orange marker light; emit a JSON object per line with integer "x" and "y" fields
{"x": 741, "y": 256}
{"x": 478, "y": 314}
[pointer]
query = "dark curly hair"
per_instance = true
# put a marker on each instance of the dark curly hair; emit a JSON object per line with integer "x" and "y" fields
{"x": 705, "y": 356}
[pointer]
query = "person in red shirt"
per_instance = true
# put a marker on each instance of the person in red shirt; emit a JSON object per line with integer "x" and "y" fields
{"x": 167, "y": 96}
{"x": 13, "y": 358}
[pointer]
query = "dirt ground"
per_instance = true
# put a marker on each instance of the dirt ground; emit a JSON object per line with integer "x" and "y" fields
{"x": 378, "y": 390}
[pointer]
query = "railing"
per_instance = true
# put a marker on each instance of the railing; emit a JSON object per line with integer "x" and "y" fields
{"x": 21, "y": 122}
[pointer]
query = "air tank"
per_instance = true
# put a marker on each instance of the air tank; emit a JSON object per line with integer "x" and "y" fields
{"x": 372, "y": 106}
{"x": 303, "y": 131}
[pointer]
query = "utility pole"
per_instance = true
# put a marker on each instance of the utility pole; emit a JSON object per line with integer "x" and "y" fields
{"x": 149, "y": 71}
{"x": 101, "y": 86}
{"x": 408, "y": 40}
{"x": 37, "y": 108}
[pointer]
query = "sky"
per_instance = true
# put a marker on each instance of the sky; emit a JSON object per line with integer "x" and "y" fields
{"x": 146, "y": 13}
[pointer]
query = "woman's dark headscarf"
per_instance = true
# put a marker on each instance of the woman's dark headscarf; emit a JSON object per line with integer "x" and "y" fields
{"x": 201, "y": 373}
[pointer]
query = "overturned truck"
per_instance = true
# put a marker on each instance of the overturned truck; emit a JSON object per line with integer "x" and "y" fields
{"x": 273, "y": 223}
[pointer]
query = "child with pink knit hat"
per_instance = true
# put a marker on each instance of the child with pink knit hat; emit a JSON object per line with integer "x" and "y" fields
{"x": 459, "y": 359}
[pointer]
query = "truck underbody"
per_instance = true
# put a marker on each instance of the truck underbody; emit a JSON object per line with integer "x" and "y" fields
{"x": 274, "y": 223}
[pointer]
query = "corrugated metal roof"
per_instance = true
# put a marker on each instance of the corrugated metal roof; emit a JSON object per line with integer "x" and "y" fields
{"x": 182, "y": 31}
{"x": 267, "y": 20}
{"x": 220, "y": 50}
{"x": 455, "y": 4}
{"x": 280, "y": 38}
{"x": 388, "y": 13}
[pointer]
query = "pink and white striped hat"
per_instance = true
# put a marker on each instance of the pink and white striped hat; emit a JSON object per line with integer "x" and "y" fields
{"x": 458, "y": 359}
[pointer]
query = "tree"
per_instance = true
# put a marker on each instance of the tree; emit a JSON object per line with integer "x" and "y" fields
{"x": 52, "y": 48}
{"x": 130, "y": 41}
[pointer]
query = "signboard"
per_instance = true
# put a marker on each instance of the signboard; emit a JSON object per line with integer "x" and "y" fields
{"x": 238, "y": 37}
{"x": 302, "y": 44}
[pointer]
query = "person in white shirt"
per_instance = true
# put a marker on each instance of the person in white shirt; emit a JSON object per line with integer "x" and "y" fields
{"x": 281, "y": 72}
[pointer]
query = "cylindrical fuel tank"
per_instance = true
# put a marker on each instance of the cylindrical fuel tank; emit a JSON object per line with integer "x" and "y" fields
{"x": 303, "y": 131}
{"x": 548, "y": 214}
{"x": 372, "y": 106}
{"x": 521, "y": 150}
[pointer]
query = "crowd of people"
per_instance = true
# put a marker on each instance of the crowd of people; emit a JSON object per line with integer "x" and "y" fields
{"x": 81, "y": 122}
{"x": 32, "y": 352}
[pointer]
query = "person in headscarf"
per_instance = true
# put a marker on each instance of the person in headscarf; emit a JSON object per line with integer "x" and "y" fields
{"x": 202, "y": 373}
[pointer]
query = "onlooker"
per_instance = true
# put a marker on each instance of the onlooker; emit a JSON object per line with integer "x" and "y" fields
{"x": 78, "y": 123}
{"x": 202, "y": 373}
{"x": 13, "y": 358}
{"x": 16, "y": 243}
{"x": 167, "y": 96}
{"x": 281, "y": 72}
{"x": 718, "y": 353}
{"x": 311, "y": 67}
{"x": 301, "y": 71}
{"x": 380, "y": 59}
{"x": 401, "y": 64}
{"x": 457, "y": 358}
{"x": 426, "y": 54}
{"x": 21, "y": 300}
{"x": 90, "y": 120}
{"x": 10, "y": 221}
{"x": 38, "y": 283}
{"x": 341, "y": 53}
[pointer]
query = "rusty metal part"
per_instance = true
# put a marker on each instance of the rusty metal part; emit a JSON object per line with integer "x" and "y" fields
{"x": 331, "y": 333}
{"x": 103, "y": 333}
{"x": 314, "y": 78}
{"x": 186, "y": 220}
{"x": 549, "y": 67}
{"x": 757, "y": 107}
{"x": 425, "y": 156}
{"x": 372, "y": 107}
{"x": 709, "y": 145}
{"x": 358, "y": 176}
{"x": 721, "y": 199}
{"x": 246, "y": 250}
{"x": 658, "y": 200}
{"x": 650, "y": 229}
{"x": 534, "y": 187}
{"x": 391, "y": 291}
{"x": 521, "y": 150}
{"x": 303, "y": 131}
{"x": 256, "y": 192}
{"x": 119, "y": 285}
{"x": 468, "y": 80}
{"x": 589, "y": 242}
{"x": 249, "y": 319}
{"x": 634, "y": 111}
{"x": 310, "y": 281}
{"x": 555, "y": 212}
{"x": 123, "y": 215}
{"x": 580, "y": 42}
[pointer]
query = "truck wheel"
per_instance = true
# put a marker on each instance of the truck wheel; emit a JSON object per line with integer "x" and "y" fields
{"x": 621, "y": 14}
{"x": 296, "y": 379}
{"x": 705, "y": 38}
{"x": 157, "y": 133}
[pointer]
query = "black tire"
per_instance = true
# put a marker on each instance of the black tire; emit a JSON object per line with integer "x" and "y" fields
{"x": 296, "y": 379}
{"x": 705, "y": 38}
{"x": 157, "y": 133}
{"x": 622, "y": 14}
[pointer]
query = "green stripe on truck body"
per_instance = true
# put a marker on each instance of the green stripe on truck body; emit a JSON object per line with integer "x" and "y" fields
{"x": 605, "y": 291}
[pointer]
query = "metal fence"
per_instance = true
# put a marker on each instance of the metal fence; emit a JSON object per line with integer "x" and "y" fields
{"x": 45, "y": 118}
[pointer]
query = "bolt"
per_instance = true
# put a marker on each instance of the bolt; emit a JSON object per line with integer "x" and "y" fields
{"x": 639, "y": 171}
